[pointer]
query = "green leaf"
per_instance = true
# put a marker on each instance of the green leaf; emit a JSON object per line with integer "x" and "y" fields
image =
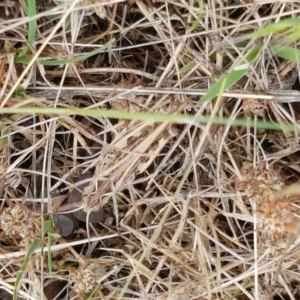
{"x": 47, "y": 230}
{"x": 233, "y": 76}
{"x": 187, "y": 67}
{"x": 32, "y": 25}
{"x": 146, "y": 116}
{"x": 223, "y": 83}
{"x": 25, "y": 262}
{"x": 293, "y": 37}
{"x": 64, "y": 61}
{"x": 199, "y": 15}
{"x": 288, "y": 53}
{"x": 274, "y": 28}
{"x": 54, "y": 235}
{"x": 20, "y": 93}
{"x": 30, "y": 11}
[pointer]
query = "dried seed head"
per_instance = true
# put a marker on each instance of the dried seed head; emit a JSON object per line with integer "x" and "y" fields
{"x": 276, "y": 215}
{"x": 262, "y": 182}
{"x": 276, "y": 218}
{"x": 85, "y": 278}
{"x": 18, "y": 222}
{"x": 254, "y": 106}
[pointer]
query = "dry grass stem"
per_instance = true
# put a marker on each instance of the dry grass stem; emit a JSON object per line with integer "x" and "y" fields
{"x": 142, "y": 209}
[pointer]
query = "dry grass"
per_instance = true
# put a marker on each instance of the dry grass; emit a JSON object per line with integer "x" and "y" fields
{"x": 162, "y": 210}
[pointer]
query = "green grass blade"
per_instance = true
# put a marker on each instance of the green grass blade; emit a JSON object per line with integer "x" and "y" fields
{"x": 47, "y": 227}
{"x": 47, "y": 231}
{"x": 30, "y": 11}
{"x": 288, "y": 53}
{"x": 274, "y": 28}
{"x": 294, "y": 37}
{"x": 145, "y": 116}
{"x": 223, "y": 83}
{"x": 234, "y": 75}
{"x": 32, "y": 25}
{"x": 199, "y": 16}
{"x": 58, "y": 62}
{"x": 187, "y": 67}
{"x": 31, "y": 250}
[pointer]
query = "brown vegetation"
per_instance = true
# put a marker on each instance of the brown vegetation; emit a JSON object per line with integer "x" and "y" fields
{"x": 141, "y": 209}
